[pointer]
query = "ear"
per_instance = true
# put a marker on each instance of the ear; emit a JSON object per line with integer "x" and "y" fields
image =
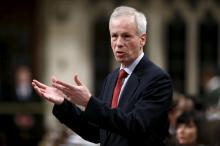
{"x": 143, "y": 39}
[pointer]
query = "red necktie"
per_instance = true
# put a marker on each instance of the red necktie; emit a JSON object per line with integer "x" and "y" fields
{"x": 121, "y": 76}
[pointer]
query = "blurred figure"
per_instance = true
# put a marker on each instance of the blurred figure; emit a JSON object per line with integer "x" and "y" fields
{"x": 190, "y": 129}
{"x": 211, "y": 98}
{"x": 211, "y": 87}
{"x": 174, "y": 112}
{"x": 56, "y": 137}
{"x": 23, "y": 90}
{"x": 26, "y": 128}
{"x": 180, "y": 103}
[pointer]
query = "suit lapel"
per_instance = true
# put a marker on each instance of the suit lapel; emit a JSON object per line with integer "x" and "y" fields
{"x": 133, "y": 82}
{"x": 131, "y": 85}
{"x": 129, "y": 90}
{"x": 110, "y": 89}
{"x": 111, "y": 86}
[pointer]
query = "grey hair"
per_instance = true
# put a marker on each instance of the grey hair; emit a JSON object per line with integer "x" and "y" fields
{"x": 140, "y": 18}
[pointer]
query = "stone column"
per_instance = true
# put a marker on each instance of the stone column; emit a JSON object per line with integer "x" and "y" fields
{"x": 155, "y": 46}
{"x": 66, "y": 48}
{"x": 191, "y": 68}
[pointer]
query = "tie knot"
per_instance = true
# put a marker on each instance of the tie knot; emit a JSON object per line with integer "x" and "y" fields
{"x": 122, "y": 74}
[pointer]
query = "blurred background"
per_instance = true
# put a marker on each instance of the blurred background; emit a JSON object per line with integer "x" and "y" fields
{"x": 44, "y": 38}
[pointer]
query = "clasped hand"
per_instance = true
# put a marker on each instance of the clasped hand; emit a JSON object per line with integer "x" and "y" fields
{"x": 76, "y": 94}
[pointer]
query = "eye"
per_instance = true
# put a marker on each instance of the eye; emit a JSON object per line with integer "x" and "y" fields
{"x": 126, "y": 36}
{"x": 114, "y": 36}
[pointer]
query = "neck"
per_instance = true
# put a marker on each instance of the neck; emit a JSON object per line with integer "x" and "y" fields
{"x": 128, "y": 64}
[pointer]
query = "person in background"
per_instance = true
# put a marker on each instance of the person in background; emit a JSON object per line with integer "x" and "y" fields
{"x": 27, "y": 128}
{"x": 211, "y": 87}
{"x": 190, "y": 129}
{"x": 211, "y": 99}
{"x": 133, "y": 106}
{"x": 180, "y": 103}
{"x": 23, "y": 91}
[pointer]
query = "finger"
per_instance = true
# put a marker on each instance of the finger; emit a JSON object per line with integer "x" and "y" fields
{"x": 78, "y": 82}
{"x": 64, "y": 84}
{"x": 33, "y": 84}
{"x": 58, "y": 86}
{"x": 66, "y": 91}
{"x": 39, "y": 84}
{"x": 38, "y": 90}
{"x": 54, "y": 79}
{"x": 67, "y": 94}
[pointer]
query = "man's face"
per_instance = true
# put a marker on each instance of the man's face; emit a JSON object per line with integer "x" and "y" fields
{"x": 126, "y": 43}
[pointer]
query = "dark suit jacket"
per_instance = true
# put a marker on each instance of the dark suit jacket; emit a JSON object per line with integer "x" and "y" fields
{"x": 141, "y": 118}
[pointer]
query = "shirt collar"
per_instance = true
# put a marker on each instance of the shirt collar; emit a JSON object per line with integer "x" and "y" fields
{"x": 129, "y": 69}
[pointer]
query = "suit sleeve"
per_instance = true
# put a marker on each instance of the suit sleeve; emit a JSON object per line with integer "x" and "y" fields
{"x": 72, "y": 117}
{"x": 147, "y": 117}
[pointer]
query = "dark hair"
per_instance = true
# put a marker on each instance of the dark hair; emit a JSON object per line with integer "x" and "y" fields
{"x": 198, "y": 119}
{"x": 188, "y": 117}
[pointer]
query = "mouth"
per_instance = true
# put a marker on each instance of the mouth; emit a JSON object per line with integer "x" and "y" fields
{"x": 120, "y": 53}
{"x": 182, "y": 138}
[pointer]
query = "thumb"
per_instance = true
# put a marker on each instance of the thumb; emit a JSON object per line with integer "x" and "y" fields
{"x": 54, "y": 79}
{"x": 78, "y": 82}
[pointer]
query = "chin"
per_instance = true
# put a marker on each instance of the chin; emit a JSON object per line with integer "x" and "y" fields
{"x": 182, "y": 142}
{"x": 119, "y": 60}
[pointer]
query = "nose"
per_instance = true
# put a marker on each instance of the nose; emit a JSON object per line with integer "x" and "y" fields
{"x": 180, "y": 130}
{"x": 119, "y": 42}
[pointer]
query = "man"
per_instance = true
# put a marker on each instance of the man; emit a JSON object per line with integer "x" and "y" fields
{"x": 132, "y": 115}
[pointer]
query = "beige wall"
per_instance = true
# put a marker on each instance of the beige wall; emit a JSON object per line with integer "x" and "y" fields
{"x": 66, "y": 49}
